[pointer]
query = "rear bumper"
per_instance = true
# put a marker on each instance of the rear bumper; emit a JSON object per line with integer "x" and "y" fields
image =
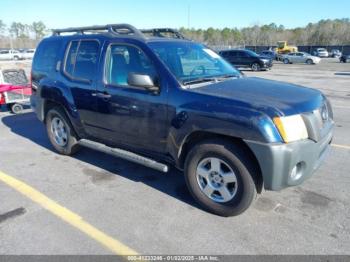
{"x": 278, "y": 160}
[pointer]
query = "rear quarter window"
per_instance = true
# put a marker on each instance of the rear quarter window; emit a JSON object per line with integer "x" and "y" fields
{"x": 81, "y": 60}
{"x": 46, "y": 56}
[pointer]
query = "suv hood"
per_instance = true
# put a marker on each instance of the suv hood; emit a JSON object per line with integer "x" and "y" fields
{"x": 271, "y": 97}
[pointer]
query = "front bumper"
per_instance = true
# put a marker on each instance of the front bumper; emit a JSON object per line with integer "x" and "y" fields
{"x": 278, "y": 160}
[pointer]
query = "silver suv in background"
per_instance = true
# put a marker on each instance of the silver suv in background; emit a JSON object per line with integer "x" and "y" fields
{"x": 321, "y": 52}
{"x": 300, "y": 57}
{"x": 335, "y": 53}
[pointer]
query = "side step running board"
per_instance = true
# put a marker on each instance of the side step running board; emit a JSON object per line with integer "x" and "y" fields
{"x": 117, "y": 152}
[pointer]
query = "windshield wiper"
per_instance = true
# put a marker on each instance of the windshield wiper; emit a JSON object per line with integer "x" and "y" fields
{"x": 210, "y": 79}
{"x": 200, "y": 80}
{"x": 226, "y": 76}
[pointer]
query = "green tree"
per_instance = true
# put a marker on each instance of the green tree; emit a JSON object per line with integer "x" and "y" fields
{"x": 39, "y": 29}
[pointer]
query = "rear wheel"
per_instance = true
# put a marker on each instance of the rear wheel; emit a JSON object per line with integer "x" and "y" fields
{"x": 286, "y": 61}
{"x": 220, "y": 178}
{"x": 256, "y": 67}
{"x": 60, "y": 132}
{"x": 309, "y": 62}
{"x": 16, "y": 108}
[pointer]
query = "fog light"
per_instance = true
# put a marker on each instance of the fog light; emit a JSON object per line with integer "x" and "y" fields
{"x": 297, "y": 171}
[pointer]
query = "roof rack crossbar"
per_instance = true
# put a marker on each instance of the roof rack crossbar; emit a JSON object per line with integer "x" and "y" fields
{"x": 117, "y": 29}
{"x": 158, "y": 32}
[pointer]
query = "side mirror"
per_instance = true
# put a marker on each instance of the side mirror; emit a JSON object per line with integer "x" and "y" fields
{"x": 143, "y": 81}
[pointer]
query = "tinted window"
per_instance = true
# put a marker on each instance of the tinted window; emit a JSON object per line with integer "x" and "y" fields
{"x": 4, "y": 52}
{"x": 243, "y": 54}
{"x": 229, "y": 54}
{"x": 124, "y": 59}
{"x": 71, "y": 57}
{"x": 82, "y": 59}
{"x": 46, "y": 56}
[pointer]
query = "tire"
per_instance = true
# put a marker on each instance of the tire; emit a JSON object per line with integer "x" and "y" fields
{"x": 309, "y": 62}
{"x": 60, "y": 132}
{"x": 16, "y": 58}
{"x": 256, "y": 67}
{"x": 286, "y": 61}
{"x": 16, "y": 108}
{"x": 239, "y": 194}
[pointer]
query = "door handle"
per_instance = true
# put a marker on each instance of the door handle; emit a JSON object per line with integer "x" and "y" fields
{"x": 104, "y": 95}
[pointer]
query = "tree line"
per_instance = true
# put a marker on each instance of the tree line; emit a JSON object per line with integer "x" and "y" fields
{"x": 19, "y": 35}
{"x": 324, "y": 33}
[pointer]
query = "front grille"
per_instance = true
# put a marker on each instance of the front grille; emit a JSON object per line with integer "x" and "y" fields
{"x": 319, "y": 122}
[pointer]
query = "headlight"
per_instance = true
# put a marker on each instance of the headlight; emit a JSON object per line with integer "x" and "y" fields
{"x": 265, "y": 61}
{"x": 291, "y": 128}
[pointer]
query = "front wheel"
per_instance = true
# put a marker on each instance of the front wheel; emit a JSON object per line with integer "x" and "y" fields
{"x": 220, "y": 178}
{"x": 309, "y": 62}
{"x": 60, "y": 132}
{"x": 256, "y": 67}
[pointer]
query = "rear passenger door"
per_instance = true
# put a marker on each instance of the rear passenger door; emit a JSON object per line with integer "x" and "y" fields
{"x": 80, "y": 69}
{"x": 231, "y": 57}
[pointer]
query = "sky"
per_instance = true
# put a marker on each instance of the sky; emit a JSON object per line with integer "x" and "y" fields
{"x": 173, "y": 13}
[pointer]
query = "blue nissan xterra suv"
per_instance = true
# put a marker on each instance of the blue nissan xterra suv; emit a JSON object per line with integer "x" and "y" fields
{"x": 158, "y": 99}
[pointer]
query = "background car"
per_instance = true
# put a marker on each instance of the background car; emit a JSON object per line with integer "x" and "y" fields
{"x": 268, "y": 53}
{"x": 321, "y": 52}
{"x": 300, "y": 57}
{"x": 335, "y": 53}
{"x": 27, "y": 54}
{"x": 247, "y": 58}
{"x": 10, "y": 54}
{"x": 344, "y": 58}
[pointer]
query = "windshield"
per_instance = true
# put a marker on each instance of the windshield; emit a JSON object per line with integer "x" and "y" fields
{"x": 191, "y": 62}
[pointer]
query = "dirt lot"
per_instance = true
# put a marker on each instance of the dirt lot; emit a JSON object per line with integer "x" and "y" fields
{"x": 153, "y": 213}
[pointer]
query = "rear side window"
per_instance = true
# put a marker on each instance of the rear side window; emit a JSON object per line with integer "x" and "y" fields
{"x": 81, "y": 59}
{"x": 46, "y": 56}
{"x": 230, "y": 54}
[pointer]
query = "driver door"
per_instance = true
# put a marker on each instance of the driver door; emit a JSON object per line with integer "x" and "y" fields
{"x": 128, "y": 115}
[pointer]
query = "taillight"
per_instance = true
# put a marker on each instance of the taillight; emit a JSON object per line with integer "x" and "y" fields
{"x": 2, "y": 99}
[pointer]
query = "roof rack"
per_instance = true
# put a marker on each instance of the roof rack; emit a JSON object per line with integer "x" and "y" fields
{"x": 122, "y": 29}
{"x": 163, "y": 32}
{"x": 116, "y": 29}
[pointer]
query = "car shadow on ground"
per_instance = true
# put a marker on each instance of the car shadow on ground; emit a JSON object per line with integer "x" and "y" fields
{"x": 172, "y": 183}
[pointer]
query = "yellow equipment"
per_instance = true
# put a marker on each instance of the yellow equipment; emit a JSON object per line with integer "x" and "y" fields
{"x": 284, "y": 48}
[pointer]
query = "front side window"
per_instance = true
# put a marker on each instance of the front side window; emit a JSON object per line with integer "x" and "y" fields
{"x": 191, "y": 61}
{"x": 81, "y": 59}
{"x": 125, "y": 59}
